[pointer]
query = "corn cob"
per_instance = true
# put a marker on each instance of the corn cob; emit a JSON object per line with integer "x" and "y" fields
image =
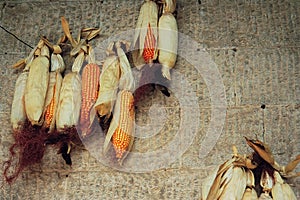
{"x": 18, "y": 114}
{"x": 167, "y": 43}
{"x": 146, "y": 34}
{"x": 109, "y": 81}
{"x": 89, "y": 94}
{"x": 37, "y": 84}
{"x": 52, "y": 98}
{"x": 69, "y": 103}
{"x": 122, "y": 126}
{"x": 149, "y": 46}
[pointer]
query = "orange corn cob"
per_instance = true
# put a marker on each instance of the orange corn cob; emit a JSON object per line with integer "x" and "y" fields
{"x": 49, "y": 115}
{"x": 149, "y": 46}
{"x": 90, "y": 87}
{"x": 122, "y": 135}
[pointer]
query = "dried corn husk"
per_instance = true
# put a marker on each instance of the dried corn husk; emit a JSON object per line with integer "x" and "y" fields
{"x": 126, "y": 81}
{"x": 250, "y": 193}
{"x": 281, "y": 190}
{"x": 169, "y": 6}
{"x": 148, "y": 18}
{"x": 57, "y": 63}
{"x": 265, "y": 196}
{"x": 37, "y": 85}
{"x": 52, "y": 98}
{"x": 18, "y": 114}
{"x": 121, "y": 130}
{"x": 68, "y": 110}
{"x": 109, "y": 81}
{"x": 167, "y": 43}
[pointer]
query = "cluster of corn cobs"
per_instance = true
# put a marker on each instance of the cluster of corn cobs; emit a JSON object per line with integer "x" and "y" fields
{"x": 155, "y": 45}
{"x": 253, "y": 177}
{"x": 54, "y": 102}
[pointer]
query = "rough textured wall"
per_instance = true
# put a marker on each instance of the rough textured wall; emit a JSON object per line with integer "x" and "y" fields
{"x": 255, "y": 46}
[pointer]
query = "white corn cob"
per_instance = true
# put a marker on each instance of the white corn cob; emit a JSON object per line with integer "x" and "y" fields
{"x": 167, "y": 43}
{"x": 148, "y": 18}
{"x": 18, "y": 114}
{"x": 37, "y": 85}
{"x": 68, "y": 110}
{"x": 109, "y": 82}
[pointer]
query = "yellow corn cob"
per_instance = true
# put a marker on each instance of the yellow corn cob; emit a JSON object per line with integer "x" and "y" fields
{"x": 90, "y": 87}
{"x": 52, "y": 98}
{"x": 122, "y": 135}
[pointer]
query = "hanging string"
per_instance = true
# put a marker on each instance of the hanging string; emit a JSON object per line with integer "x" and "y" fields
{"x": 15, "y": 36}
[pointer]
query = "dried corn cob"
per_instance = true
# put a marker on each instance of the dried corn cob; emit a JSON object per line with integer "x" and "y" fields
{"x": 52, "y": 98}
{"x": 37, "y": 84}
{"x": 18, "y": 114}
{"x": 145, "y": 37}
{"x": 149, "y": 46}
{"x": 68, "y": 110}
{"x": 109, "y": 81}
{"x": 122, "y": 126}
{"x": 167, "y": 43}
{"x": 89, "y": 94}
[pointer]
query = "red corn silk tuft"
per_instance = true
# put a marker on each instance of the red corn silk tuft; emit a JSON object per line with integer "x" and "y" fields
{"x": 30, "y": 145}
{"x": 149, "y": 45}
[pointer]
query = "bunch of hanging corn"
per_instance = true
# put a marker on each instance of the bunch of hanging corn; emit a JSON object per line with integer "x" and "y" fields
{"x": 235, "y": 178}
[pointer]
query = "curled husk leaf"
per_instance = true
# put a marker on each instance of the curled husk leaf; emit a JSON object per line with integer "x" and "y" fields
{"x": 167, "y": 43}
{"x": 57, "y": 63}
